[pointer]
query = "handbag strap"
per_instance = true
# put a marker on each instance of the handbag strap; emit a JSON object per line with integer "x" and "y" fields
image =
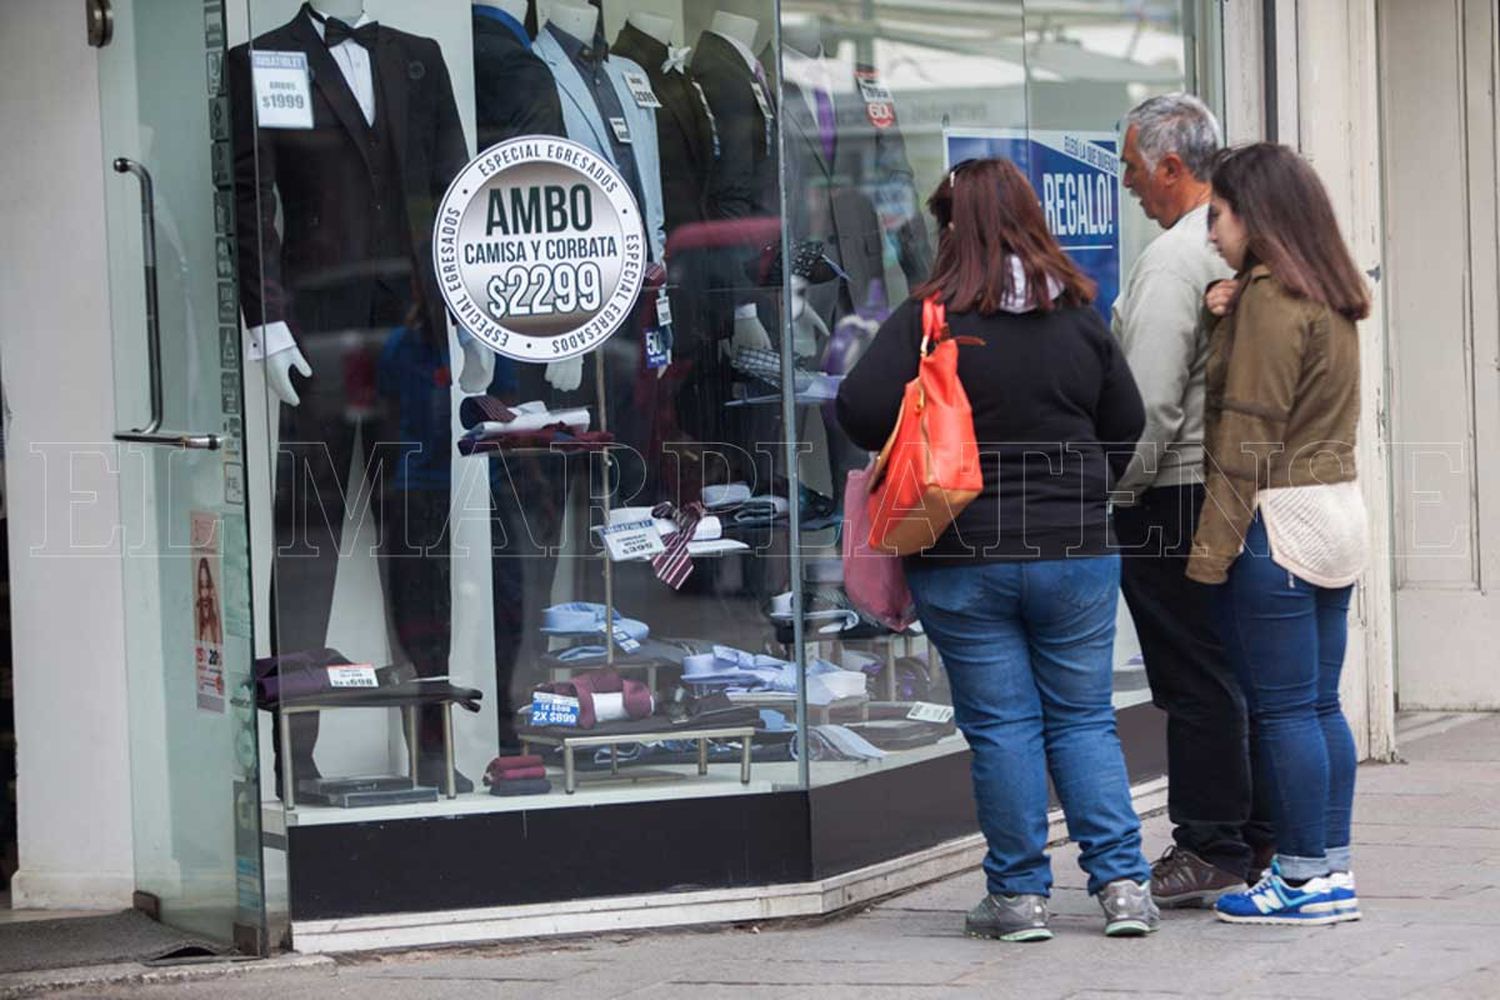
{"x": 934, "y": 322}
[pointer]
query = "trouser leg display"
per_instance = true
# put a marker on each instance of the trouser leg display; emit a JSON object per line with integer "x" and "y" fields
{"x": 1333, "y": 634}
{"x": 1209, "y": 798}
{"x": 970, "y": 614}
{"x": 415, "y": 550}
{"x": 1269, "y": 618}
{"x": 1069, "y": 613}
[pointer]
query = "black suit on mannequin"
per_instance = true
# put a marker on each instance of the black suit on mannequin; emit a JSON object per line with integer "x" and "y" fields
{"x": 514, "y": 93}
{"x": 353, "y": 254}
{"x": 747, "y": 184}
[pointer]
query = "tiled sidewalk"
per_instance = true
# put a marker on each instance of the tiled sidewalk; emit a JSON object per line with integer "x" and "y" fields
{"x": 1427, "y": 842}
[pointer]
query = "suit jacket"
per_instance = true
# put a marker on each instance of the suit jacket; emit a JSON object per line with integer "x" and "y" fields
{"x": 835, "y": 200}
{"x": 313, "y": 275}
{"x": 684, "y": 131}
{"x": 583, "y": 124}
{"x": 747, "y": 180}
{"x": 514, "y": 93}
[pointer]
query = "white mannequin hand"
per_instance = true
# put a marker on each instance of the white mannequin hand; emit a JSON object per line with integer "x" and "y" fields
{"x": 749, "y": 333}
{"x": 565, "y": 375}
{"x": 479, "y": 367}
{"x": 279, "y": 367}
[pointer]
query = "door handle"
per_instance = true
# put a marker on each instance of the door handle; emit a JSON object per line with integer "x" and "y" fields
{"x": 152, "y": 432}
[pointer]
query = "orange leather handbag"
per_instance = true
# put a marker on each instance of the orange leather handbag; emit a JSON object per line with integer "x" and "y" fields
{"x": 928, "y": 471}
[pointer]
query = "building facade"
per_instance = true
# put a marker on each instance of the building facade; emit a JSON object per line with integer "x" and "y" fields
{"x": 145, "y": 615}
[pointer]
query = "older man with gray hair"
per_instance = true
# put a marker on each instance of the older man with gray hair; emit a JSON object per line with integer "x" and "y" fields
{"x": 1169, "y": 145}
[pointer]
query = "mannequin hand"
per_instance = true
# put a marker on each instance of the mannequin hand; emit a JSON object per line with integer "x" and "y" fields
{"x": 1219, "y": 295}
{"x": 479, "y": 367}
{"x": 279, "y": 373}
{"x": 565, "y": 375}
{"x": 808, "y": 331}
{"x": 749, "y": 333}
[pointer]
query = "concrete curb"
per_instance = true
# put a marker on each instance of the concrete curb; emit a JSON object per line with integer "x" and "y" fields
{"x": 25, "y": 984}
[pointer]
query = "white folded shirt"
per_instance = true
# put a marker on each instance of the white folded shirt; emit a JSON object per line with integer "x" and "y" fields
{"x": 534, "y": 416}
{"x": 709, "y": 528}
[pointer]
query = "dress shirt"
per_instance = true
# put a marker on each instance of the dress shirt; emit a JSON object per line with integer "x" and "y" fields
{"x": 590, "y": 64}
{"x": 812, "y": 77}
{"x": 353, "y": 60}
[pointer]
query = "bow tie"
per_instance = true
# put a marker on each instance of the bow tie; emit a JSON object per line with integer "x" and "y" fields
{"x": 676, "y": 59}
{"x": 336, "y": 32}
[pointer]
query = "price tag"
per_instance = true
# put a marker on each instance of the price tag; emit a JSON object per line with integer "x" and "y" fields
{"x": 663, "y": 308}
{"x": 658, "y": 353}
{"x": 283, "y": 95}
{"x": 624, "y": 642}
{"x": 872, "y": 90}
{"x": 640, "y": 89}
{"x": 926, "y": 711}
{"x": 622, "y": 129}
{"x": 549, "y": 709}
{"x": 633, "y": 540}
{"x": 357, "y": 675}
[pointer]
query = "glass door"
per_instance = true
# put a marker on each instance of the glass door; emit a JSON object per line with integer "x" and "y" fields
{"x": 176, "y": 338}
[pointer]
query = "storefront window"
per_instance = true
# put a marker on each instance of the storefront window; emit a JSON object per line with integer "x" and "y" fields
{"x": 431, "y": 516}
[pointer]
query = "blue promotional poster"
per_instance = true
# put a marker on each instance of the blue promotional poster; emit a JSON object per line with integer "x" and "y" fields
{"x": 1076, "y": 176}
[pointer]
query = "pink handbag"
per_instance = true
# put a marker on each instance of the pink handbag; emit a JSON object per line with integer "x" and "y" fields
{"x": 874, "y": 580}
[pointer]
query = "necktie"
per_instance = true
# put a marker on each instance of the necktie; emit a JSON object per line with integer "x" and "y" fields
{"x": 336, "y": 32}
{"x": 827, "y": 123}
{"x": 673, "y": 565}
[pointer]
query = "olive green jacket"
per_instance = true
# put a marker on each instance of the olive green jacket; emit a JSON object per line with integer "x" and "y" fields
{"x": 1281, "y": 401}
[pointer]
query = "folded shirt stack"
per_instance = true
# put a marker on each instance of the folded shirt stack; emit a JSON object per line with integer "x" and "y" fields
{"x": 743, "y": 507}
{"x": 517, "y": 776}
{"x": 734, "y": 671}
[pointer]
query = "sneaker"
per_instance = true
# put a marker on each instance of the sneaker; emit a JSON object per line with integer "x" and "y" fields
{"x": 1344, "y": 895}
{"x": 1128, "y": 909}
{"x": 1009, "y": 918}
{"x": 1182, "y": 878}
{"x": 1273, "y": 901}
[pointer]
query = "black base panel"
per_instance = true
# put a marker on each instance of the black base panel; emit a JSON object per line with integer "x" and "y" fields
{"x": 546, "y": 855}
{"x": 551, "y": 855}
{"x": 907, "y": 809}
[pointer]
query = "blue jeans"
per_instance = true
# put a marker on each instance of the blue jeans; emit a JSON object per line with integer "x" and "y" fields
{"x": 1285, "y": 638}
{"x": 1028, "y": 649}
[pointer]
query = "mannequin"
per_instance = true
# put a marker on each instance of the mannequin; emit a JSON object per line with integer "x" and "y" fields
{"x": 334, "y": 237}
{"x": 515, "y": 8}
{"x": 657, "y": 26}
{"x": 345, "y": 10}
{"x": 736, "y": 26}
{"x": 578, "y": 20}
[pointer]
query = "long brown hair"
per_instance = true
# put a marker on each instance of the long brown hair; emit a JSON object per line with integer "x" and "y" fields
{"x": 994, "y": 212}
{"x": 1291, "y": 226}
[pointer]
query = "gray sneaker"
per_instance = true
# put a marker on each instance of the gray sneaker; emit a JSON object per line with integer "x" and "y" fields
{"x": 1128, "y": 909}
{"x": 1009, "y": 918}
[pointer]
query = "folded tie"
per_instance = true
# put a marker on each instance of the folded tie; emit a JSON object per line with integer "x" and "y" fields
{"x": 521, "y": 774}
{"x": 503, "y": 766}
{"x": 674, "y": 564}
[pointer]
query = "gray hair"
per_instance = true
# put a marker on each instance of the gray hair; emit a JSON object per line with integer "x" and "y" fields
{"x": 1176, "y": 123}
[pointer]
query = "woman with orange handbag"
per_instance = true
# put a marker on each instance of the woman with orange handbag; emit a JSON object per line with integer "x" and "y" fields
{"x": 1019, "y": 592}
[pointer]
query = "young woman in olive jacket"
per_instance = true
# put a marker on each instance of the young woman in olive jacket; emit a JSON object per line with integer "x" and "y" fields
{"x": 1282, "y": 531}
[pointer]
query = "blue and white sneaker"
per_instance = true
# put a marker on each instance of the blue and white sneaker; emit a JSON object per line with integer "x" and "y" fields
{"x": 1272, "y": 901}
{"x": 1344, "y": 894}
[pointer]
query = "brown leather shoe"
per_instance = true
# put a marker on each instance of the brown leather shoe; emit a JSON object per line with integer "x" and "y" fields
{"x": 1181, "y": 878}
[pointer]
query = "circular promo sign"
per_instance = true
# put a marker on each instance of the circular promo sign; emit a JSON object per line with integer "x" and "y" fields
{"x": 539, "y": 248}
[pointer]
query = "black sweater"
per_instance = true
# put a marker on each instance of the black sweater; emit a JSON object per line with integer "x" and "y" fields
{"x": 1056, "y": 412}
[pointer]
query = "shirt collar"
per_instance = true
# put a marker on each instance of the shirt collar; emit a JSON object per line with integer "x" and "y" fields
{"x": 501, "y": 17}
{"x": 575, "y": 49}
{"x": 317, "y": 19}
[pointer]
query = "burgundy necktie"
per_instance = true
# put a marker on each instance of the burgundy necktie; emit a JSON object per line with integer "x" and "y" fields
{"x": 673, "y": 565}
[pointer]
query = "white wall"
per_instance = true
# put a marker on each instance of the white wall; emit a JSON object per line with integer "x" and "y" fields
{"x": 68, "y": 638}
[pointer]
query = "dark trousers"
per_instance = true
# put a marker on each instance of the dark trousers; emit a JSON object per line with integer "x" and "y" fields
{"x": 1210, "y": 799}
